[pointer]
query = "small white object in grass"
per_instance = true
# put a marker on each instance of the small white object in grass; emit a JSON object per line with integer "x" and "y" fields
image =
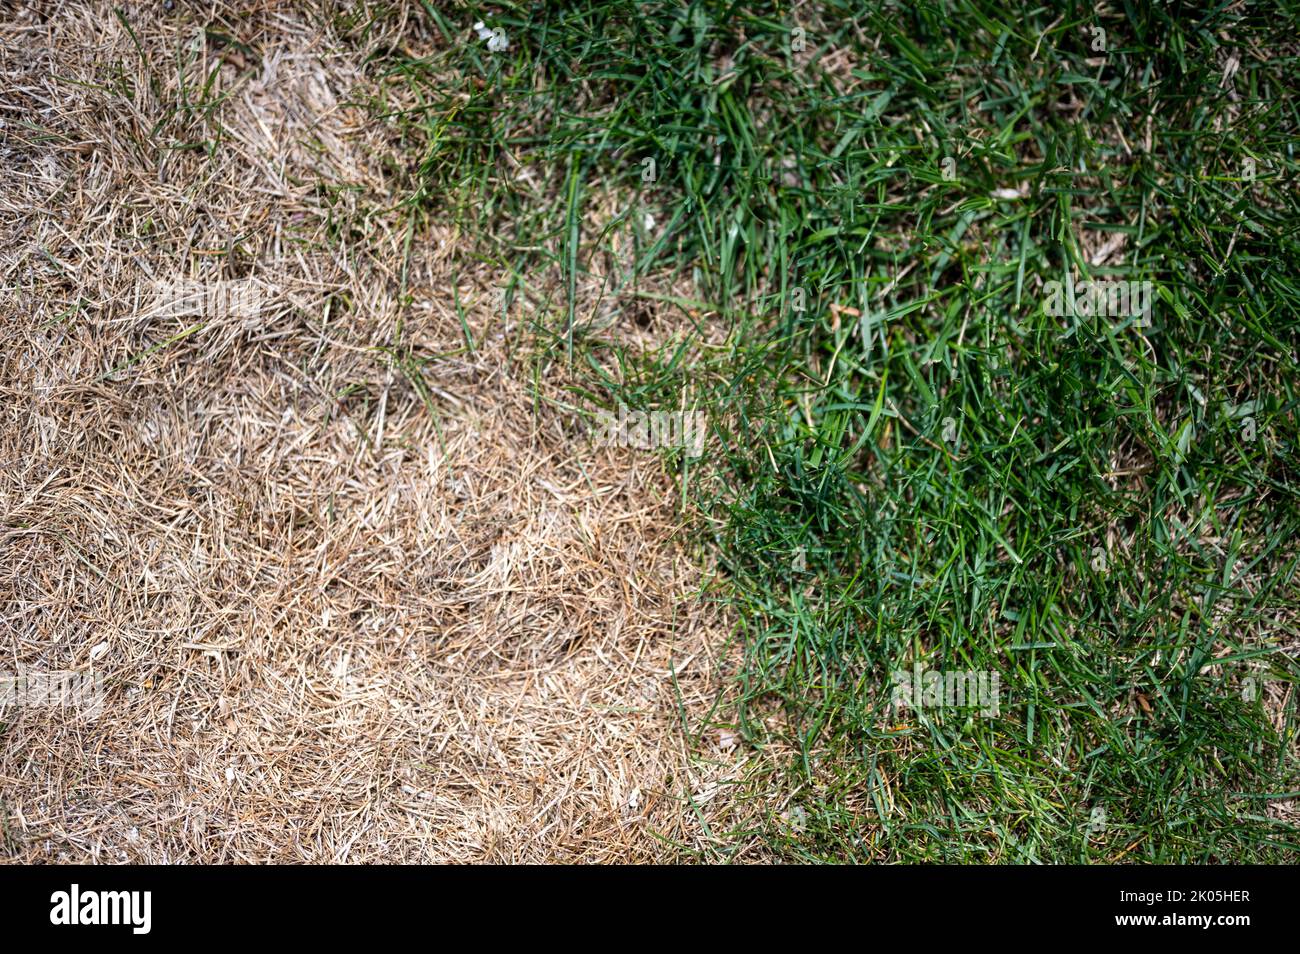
{"x": 648, "y": 222}
{"x": 230, "y": 773}
{"x": 98, "y": 651}
{"x": 706, "y": 792}
{"x": 1006, "y": 194}
{"x": 496, "y": 39}
{"x": 726, "y": 740}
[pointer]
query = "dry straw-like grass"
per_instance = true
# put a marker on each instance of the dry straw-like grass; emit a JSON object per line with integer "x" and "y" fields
{"x": 345, "y": 610}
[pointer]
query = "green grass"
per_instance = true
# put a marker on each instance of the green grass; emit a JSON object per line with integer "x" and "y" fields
{"x": 1099, "y": 525}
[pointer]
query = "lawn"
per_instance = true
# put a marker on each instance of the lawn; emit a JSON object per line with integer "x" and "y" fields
{"x": 992, "y": 311}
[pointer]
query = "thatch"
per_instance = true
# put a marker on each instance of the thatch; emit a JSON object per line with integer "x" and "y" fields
{"x": 346, "y": 611}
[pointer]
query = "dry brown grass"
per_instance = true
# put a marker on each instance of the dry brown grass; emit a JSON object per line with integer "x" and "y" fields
{"x": 337, "y": 623}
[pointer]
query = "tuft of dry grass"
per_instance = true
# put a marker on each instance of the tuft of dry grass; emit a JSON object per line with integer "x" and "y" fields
{"x": 356, "y": 596}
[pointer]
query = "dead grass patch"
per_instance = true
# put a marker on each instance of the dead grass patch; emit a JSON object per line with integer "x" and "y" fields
{"x": 356, "y": 594}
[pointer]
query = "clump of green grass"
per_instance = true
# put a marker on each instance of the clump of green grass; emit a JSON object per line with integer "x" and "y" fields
{"x": 915, "y": 464}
